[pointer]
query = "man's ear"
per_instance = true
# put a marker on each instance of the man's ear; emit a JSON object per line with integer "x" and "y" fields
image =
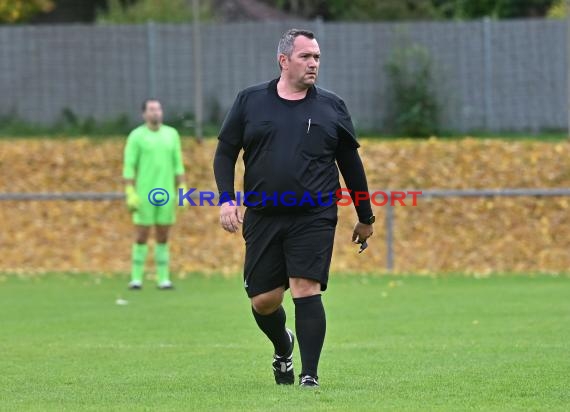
{"x": 283, "y": 61}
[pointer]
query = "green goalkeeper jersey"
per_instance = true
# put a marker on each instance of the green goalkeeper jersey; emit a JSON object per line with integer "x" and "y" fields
{"x": 153, "y": 159}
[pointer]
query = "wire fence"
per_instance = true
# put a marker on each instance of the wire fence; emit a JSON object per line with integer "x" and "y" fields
{"x": 489, "y": 75}
{"x": 466, "y": 193}
{"x": 389, "y": 215}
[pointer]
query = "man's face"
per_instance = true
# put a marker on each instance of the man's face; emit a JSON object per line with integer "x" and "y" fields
{"x": 153, "y": 112}
{"x": 302, "y": 67}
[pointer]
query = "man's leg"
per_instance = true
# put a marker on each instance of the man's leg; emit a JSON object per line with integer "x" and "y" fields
{"x": 308, "y": 250}
{"x": 265, "y": 281}
{"x": 270, "y": 317}
{"x": 162, "y": 257}
{"x": 310, "y": 323}
{"x": 138, "y": 256}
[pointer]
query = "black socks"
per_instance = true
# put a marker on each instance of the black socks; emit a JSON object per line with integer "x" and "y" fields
{"x": 273, "y": 325}
{"x": 310, "y": 326}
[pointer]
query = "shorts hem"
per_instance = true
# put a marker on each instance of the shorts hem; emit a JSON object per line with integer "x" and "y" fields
{"x": 314, "y": 278}
{"x": 259, "y": 291}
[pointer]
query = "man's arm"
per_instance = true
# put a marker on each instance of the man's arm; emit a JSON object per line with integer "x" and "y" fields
{"x": 230, "y": 142}
{"x": 224, "y": 170}
{"x": 180, "y": 180}
{"x": 178, "y": 160}
{"x": 352, "y": 170}
{"x": 130, "y": 164}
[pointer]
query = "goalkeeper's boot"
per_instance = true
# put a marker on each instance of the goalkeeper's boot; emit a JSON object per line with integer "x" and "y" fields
{"x": 135, "y": 285}
{"x": 283, "y": 365}
{"x": 308, "y": 381}
{"x": 165, "y": 285}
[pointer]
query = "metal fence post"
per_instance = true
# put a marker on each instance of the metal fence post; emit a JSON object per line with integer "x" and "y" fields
{"x": 320, "y": 33}
{"x": 151, "y": 50}
{"x": 389, "y": 224}
{"x": 488, "y": 74}
{"x": 197, "y": 58}
{"x": 568, "y": 66}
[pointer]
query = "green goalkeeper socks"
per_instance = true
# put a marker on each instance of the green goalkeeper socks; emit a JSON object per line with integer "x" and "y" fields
{"x": 138, "y": 259}
{"x": 162, "y": 261}
{"x": 161, "y": 258}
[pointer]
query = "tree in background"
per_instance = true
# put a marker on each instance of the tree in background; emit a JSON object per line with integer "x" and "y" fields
{"x": 558, "y": 10}
{"x": 16, "y": 11}
{"x": 383, "y": 10}
{"x": 362, "y": 10}
{"x": 135, "y": 11}
{"x": 414, "y": 109}
{"x": 166, "y": 11}
{"x": 499, "y": 9}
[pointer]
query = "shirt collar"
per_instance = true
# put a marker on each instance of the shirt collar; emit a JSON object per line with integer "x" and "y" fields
{"x": 311, "y": 92}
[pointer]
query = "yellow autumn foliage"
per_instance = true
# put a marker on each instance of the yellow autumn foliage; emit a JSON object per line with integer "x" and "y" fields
{"x": 437, "y": 236}
{"x": 558, "y": 10}
{"x": 13, "y": 11}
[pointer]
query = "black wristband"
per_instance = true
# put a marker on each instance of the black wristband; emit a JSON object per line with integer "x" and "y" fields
{"x": 368, "y": 221}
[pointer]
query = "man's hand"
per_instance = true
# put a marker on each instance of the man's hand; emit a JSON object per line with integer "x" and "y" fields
{"x": 230, "y": 217}
{"x": 132, "y": 198}
{"x": 362, "y": 232}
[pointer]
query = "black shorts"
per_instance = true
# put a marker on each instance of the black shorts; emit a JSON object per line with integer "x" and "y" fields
{"x": 278, "y": 247}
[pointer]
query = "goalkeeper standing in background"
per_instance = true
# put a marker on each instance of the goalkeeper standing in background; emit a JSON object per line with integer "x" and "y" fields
{"x": 152, "y": 160}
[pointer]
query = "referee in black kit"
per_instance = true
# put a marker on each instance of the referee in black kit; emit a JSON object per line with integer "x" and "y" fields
{"x": 293, "y": 135}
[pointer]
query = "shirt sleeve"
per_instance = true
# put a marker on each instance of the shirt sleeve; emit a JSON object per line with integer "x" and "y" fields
{"x": 350, "y": 163}
{"x": 178, "y": 160}
{"x": 352, "y": 170}
{"x": 131, "y": 157}
{"x": 233, "y": 126}
{"x": 224, "y": 170}
{"x": 345, "y": 128}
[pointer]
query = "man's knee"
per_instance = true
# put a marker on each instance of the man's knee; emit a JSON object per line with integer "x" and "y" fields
{"x": 141, "y": 235}
{"x": 162, "y": 233}
{"x": 301, "y": 287}
{"x": 269, "y": 302}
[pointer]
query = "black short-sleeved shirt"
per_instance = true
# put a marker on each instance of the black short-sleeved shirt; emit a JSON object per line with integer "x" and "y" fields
{"x": 289, "y": 145}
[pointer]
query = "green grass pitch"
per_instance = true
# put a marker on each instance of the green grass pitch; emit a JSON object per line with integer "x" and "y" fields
{"x": 393, "y": 343}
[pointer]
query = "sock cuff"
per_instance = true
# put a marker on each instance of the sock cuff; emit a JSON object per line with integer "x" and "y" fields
{"x": 143, "y": 247}
{"x": 307, "y": 299}
{"x": 161, "y": 251}
{"x": 277, "y": 311}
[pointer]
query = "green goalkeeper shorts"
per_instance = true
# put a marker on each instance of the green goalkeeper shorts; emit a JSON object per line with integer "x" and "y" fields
{"x": 149, "y": 215}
